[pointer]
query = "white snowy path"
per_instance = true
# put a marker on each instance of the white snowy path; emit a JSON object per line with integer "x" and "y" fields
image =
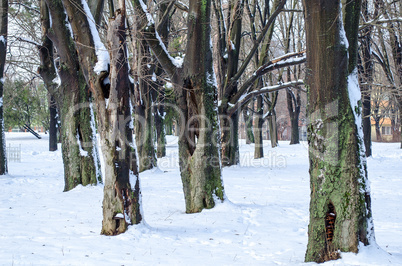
{"x": 264, "y": 222}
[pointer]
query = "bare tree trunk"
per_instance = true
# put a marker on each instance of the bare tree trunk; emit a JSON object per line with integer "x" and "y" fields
{"x": 80, "y": 156}
{"x": 52, "y": 125}
{"x": 194, "y": 84}
{"x": 340, "y": 212}
{"x": 272, "y": 125}
{"x": 273, "y": 131}
{"x": 144, "y": 110}
{"x": 159, "y": 91}
{"x": 121, "y": 202}
{"x": 378, "y": 129}
{"x": 366, "y": 77}
{"x": 258, "y": 122}
{"x": 159, "y": 110}
{"x": 248, "y": 122}
{"x": 3, "y": 50}
{"x": 199, "y": 157}
{"x": 294, "y": 111}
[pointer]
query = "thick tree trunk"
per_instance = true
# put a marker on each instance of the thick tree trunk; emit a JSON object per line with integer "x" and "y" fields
{"x": 258, "y": 122}
{"x": 199, "y": 141}
{"x": 230, "y": 124}
{"x": 340, "y": 215}
{"x": 3, "y": 50}
{"x": 52, "y": 125}
{"x": 121, "y": 202}
{"x": 195, "y": 91}
{"x": 80, "y": 155}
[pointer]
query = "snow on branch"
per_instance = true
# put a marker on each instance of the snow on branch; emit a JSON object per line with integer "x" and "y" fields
{"x": 150, "y": 33}
{"x": 377, "y": 22}
{"x": 102, "y": 54}
{"x": 286, "y": 60}
{"x": 151, "y": 25}
{"x": 280, "y": 62}
{"x": 246, "y": 97}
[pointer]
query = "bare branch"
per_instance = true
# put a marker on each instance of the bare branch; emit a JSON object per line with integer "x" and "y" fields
{"x": 245, "y": 98}
{"x": 277, "y": 63}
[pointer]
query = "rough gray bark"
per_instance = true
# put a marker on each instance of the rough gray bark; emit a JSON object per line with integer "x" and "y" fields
{"x": 3, "y": 50}
{"x": 340, "y": 211}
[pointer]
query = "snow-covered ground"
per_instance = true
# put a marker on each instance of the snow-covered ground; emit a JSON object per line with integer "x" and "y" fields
{"x": 263, "y": 222}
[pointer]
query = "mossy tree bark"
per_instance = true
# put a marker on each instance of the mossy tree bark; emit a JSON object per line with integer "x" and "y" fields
{"x": 3, "y": 50}
{"x": 80, "y": 155}
{"x": 195, "y": 91}
{"x": 121, "y": 202}
{"x": 340, "y": 212}
{"x": 199, "y": 144}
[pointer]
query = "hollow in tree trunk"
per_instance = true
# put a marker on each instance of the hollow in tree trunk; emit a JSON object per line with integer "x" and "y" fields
{"x": 340, "y": 212}
{"x": 121, "y": 202}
